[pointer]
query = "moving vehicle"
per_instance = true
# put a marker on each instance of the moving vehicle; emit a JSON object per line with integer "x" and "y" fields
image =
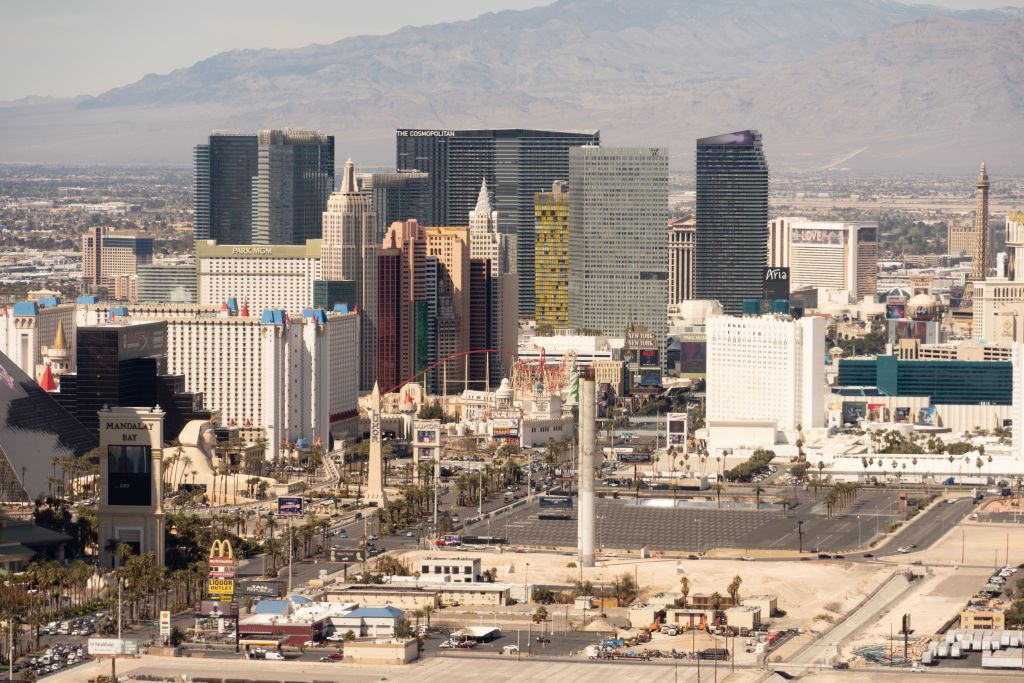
{"x": 274, "y": 655}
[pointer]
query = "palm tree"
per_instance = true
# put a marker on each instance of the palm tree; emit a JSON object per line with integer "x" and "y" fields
{"x": 719, "y": 487}
{"x": 716, "y": 600}
{"x": 684, "y": 588}
{"x": 734, "y": 589}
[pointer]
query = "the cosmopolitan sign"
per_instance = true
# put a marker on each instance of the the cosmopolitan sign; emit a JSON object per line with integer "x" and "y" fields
{"x": 415, "y": 133}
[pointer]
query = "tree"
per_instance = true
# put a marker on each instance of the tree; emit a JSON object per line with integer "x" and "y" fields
{"x": 431, "y": 411}
{"x": 718, "y": 487}
{"x": 716, "y": 600}
{"x": 392, "y": 566}
{"x": 540, "y": 615}
{"x": 734, "y": 589}
{"x": 427, "y": 611}
{"x": 684, "y": 589}
{"x": 403, "y": 629}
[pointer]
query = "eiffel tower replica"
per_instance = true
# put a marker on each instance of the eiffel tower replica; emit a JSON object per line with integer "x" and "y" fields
{"x": 981, "y": 256}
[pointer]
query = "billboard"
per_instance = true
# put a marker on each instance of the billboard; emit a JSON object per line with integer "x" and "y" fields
{"x": 128, "y": 475}
{"x": 289, "y": 506}
{"x": 111, "y": 647}
{"x": 927, "y": 417}
{"x": 895, "y": 311}
{"x": 650, "y": 358}
{"x": 426, "y": 436}
{"x": 901, "y": 414}
{"x": 854, "y": 411}
{"x": 830, "y": 237}
{"x": 165, "y": 623}
{"x": 261, "y": 589}
{"x": 693, "y": 357}
{"x": 676, "y": 429}
{"x": 634, "y": 457}
{"x": 347, "y": 555}
{"x": 650, "y": 378}
{"x": 141, "y": 341}
{"x": 776, "y": 283}
{"x": 219, "y": 587}
{"x": 877, "y": 412}
{"x": 925, "y": 331}
{"x": 216, "y": 608}
{"x": 556, "y": 502}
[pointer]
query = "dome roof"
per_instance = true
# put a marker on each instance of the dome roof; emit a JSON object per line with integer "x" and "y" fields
{"x": 505, "y": 390}
{"x": 922, "y": 299}
{"x": 898, "y": 291}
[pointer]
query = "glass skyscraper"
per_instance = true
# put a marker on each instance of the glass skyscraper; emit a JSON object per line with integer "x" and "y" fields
{"x": 294, "y": 179}
{"x": 732, "y": 219}
{"x": 516, "y": 163}
{"x": 223, "y": 171}
{"x": 618, "y": 263}
{"x": 397, "y": 197}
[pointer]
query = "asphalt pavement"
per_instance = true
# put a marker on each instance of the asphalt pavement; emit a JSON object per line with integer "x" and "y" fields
{"x": 933, "y": 524}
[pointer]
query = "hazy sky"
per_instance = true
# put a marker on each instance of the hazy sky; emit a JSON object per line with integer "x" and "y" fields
{"x": 84, "y": 47}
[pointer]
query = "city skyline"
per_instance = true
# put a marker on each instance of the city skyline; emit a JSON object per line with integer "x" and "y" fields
{"x": 279, "y": 414}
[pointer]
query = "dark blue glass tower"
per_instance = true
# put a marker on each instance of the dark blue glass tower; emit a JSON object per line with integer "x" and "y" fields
{"x": 732, "y": 219}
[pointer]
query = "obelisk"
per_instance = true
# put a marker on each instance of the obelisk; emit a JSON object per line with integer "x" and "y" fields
{"x": 587, "y": 445}
{"x": 375, "y": 470}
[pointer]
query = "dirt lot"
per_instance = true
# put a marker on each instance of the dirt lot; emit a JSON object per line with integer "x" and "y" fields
{"x": 803, "y": 589}
{"x": 975, "y": 544}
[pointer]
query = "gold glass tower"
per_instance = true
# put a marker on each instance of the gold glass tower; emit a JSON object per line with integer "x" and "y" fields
{"x": 551, "y": 258}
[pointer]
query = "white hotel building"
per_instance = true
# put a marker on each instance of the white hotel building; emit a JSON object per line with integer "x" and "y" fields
{"x": 290, "y": 377}
{"x": 765, "y": 378}
{"x": 266, "y": 277}
{"x": 834, "y": 256}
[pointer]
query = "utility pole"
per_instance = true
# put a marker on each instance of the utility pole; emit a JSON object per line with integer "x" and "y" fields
{"x": 290, "y": 545}
{"x": 113, "y": 658}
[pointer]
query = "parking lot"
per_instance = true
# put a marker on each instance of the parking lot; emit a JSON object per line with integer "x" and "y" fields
{"x": 658, "y": 525}
{"x": 558, "y": 644}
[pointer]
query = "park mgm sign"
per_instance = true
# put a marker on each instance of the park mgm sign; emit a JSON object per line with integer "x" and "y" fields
{"x": 130, "y": 510}
{"x": 222, "y": 567}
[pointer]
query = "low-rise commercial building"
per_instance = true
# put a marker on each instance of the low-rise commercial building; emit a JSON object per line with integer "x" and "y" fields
{"x": 459, "y": 569}
{"x": 983, "y": 618}
{"x": 388, "y": 651}
{"x": 744, "y": 617}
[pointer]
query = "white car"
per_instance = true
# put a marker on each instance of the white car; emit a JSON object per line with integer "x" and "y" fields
{"x": 274, "y": 655}
{"x": 511, "y": 649}
{"x": 903, "y": 550}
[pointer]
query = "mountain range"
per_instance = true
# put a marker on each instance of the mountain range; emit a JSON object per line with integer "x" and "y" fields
{"x": 865, "y": 85}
